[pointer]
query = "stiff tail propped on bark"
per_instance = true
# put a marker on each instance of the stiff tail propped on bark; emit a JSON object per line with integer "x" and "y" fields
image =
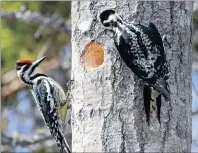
{"x": 147, "y": 101}
{"x": 158, "y": 104}
{"x": 62, "y": 144}
{"x": 148, "y": 92}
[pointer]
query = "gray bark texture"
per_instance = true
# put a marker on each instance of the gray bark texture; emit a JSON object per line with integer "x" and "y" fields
{"x": 108, "y": 111}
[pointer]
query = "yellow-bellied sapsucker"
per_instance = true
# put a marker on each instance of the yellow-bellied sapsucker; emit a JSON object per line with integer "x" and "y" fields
{"x": 141, "y": 48}
{"x": 49, "y": 97}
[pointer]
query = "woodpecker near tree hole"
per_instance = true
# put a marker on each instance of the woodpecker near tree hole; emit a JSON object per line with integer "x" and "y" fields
{"x": 141, "y": 48}
{"x": 49, "y": 97}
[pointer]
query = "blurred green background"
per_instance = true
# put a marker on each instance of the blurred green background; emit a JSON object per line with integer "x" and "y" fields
{"x": 17, "y": 38}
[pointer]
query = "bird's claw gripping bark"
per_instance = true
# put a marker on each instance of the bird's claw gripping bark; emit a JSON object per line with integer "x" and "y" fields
{"x": 69, "y": 86}
{"x": 164, "y": 39}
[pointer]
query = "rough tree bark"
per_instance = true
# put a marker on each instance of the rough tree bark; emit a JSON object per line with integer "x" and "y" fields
{"x": 108, "y": 111}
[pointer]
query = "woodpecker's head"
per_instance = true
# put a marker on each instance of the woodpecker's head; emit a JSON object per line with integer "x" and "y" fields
{"x": 25, "y": 68}
{"x": 110, "y": 19}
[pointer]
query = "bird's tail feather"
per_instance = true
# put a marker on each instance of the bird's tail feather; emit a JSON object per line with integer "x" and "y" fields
{"x": 63, "y": 145}
{"x": 147, "y": 100}
{"x": 158, "y": 104}
{"x": 151, "y": 101}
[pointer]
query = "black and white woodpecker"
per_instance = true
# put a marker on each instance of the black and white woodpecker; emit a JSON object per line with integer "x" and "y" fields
{"x": 141, "y": 48}
{"x": 49, "y": 97}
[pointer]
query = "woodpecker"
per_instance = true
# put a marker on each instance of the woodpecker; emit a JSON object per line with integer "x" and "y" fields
{"x": 49, "y": 97}
{"x": 141, "y": 48}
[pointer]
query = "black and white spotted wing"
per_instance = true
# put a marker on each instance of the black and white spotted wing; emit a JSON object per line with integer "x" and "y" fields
{"x": 142, "y": 50}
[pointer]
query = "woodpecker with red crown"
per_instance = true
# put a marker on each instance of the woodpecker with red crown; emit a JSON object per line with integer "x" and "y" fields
{"x": 49, "y": 97}
{"x": 141, "y": 48}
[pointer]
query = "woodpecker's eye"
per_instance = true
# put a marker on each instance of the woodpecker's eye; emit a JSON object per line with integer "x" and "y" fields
{"x": 18, "y": 67}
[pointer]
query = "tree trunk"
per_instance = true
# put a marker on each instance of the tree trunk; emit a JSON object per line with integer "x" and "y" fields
{"x": 108, "y": 111}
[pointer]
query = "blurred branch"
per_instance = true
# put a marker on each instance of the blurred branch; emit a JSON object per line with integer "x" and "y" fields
{"x": 52, "y": 22}
{"x": 47, "y": 46}
{"x": 23, "y": 141}
{"x": 11, "y": 87}
{"x": 9, "y": 77}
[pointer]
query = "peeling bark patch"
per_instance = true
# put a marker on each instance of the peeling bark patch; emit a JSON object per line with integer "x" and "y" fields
{"x": 85, "y": 25}
{"x": 92, "y": 56}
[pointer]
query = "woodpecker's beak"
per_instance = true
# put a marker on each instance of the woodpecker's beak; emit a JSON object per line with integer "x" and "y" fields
{"x": 36, "y": 63}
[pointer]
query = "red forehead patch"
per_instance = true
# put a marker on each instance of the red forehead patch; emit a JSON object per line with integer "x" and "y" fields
{"x": 24, "y": 62}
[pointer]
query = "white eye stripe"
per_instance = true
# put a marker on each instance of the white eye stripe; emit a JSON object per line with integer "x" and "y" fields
{"x": 112, "y": 18}
{"x": 30, "y": 68}
{"x": 22, "y": 67}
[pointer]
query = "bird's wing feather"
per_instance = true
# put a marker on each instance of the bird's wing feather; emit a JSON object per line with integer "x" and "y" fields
{"x": 46, "y": 103}
{"x": 152, "y": 32}
{"x": 155, "y": 36}
{"x": 52, "y": 100}
{"x": 61, "y": 100}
